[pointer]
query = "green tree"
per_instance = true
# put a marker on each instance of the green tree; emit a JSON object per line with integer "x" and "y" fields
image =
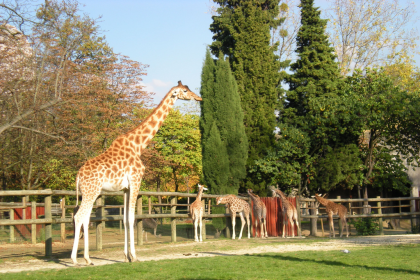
{"x": 178, "y": 141}
{"x": 221, "y": 124}
{"x": 242, "y": 33}
{"x": 390, "y": 121}
{"x": 314, "y": 103}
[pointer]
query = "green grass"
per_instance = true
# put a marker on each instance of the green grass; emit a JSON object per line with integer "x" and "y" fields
{"x": 382, "y": 262}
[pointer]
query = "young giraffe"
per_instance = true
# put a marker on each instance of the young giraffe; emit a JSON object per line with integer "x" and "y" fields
{"x": 260, "y": 214}
{"x": 196, "y": 212}
{"x": 120, "y": 168}
{"x": 289, "y": 210}
{"x": 334, "y": 209}
{"x": 235, "y": 205}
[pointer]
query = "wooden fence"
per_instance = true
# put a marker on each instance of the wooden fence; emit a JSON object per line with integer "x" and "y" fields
{"x": 353, "y": 205}
{"x": 99, "y": 217}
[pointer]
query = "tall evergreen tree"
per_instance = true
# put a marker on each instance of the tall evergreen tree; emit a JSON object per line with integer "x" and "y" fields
{"x": 223, "y": 133}
{"x": 314, "y": 103}
{"x": 242, "y": 32}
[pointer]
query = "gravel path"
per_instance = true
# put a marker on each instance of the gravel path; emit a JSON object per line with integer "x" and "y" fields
{"x": 209, "y": 249}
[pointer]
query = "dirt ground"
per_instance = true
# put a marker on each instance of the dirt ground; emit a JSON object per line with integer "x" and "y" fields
{"x": 24, "y": 257}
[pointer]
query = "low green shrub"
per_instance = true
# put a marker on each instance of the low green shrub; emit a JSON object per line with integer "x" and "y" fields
{"x": 365, "y": 226}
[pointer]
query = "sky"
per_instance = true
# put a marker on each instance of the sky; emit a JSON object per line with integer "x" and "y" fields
{"x": 168, "y": 35}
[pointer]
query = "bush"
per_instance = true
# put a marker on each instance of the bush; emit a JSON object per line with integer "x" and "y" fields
{"x": 218, "y": 223}
{"x": 365, "y": 226}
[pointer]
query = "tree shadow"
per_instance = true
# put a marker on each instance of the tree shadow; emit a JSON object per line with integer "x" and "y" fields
{"x": 335, "y": 263}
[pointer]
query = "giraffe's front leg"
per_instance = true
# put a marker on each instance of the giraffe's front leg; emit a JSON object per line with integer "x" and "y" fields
{"x": 233, "y": 217}
{"x": 131, "y": 219}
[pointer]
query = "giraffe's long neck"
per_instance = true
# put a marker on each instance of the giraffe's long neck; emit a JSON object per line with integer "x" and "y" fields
{"x": 227, "y": 199}
{"x": 141, "y": 136}
{"x": 200, "y": 193}
{"x": 281, "y": 194}
{"x": 253, "y": 197}
{"x": 321, "y": 200}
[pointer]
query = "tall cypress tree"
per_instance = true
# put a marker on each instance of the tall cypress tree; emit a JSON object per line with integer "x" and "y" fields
{"x": 223, "y": 133}
{"x": 314, "y": 103}
{"x": 242, "y": 32}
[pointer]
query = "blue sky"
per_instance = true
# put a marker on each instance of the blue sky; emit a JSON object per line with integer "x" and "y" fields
{"x": 170, "y": 36}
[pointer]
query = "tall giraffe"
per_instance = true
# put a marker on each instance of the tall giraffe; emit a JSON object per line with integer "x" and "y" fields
{"x": 120, "y": 168}
{"x": 260, "y": 214}
{"x": 334, "y": 209}
{"x": 235, "y": 205}
{"x": 196, "y": 212}
{"x": 289, "y": 210}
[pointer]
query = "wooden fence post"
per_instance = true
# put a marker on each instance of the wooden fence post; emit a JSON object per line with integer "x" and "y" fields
{"x": 299, "y": 216}
{"x": 103, "y": 203}
{"x": 33, "y": 226}
{"x": 381, "y": 226}
{"x": 12, "y": 228}
{"x": 348, "y": 217}
{"x": 139, "y": 221}
{"x": 98, "y": 224}
{"x": 48, "y": 227}
{"x": 63, "y": 216}
{"x": 314, "y": 226}
{"x": 340, "y": 226}
{"x": 173, "y": 220}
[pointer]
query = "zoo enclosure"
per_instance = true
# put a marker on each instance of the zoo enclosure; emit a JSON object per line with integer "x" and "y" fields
{"x": 413, "y": 214}
{"x": 100, "y": 218}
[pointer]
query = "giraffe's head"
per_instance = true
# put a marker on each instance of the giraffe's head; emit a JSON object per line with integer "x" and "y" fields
{"x": 275, "y": 194}
{"x": 219, "y": 200}
{"x": 201, "y": 187}
{"x": 184, "y": 93}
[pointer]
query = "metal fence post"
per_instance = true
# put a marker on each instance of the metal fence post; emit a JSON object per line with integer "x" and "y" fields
{"x": 381, "y": 226}
{"x": 48, "y": 227}
{"x": 173, "y": 220}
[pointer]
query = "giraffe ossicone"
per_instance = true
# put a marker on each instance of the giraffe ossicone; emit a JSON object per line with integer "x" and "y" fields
{"x": 120, "y": 168}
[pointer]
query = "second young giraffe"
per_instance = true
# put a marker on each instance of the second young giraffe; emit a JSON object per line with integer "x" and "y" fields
{"x": 236, "y": 205}
{"x": 196, "y": 212}
{"x": 334, "y": 209}
{"x": 260, "y": 214}
{"x": 288, "y": 210}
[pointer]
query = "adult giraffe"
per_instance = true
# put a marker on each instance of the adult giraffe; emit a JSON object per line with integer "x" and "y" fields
{"x": 120, "y": 168}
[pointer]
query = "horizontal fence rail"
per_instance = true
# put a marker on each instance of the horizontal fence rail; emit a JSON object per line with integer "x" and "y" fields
{"x": 98, "y": 216}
